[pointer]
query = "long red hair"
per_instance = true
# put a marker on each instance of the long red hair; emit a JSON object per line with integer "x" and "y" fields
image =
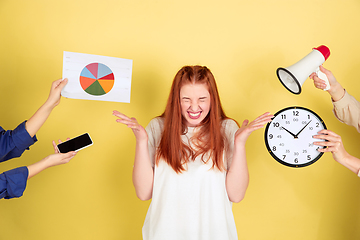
{"x": 209, "y": 140}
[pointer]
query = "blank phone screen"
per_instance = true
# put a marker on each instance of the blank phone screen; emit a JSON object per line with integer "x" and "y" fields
{"x": 75, "y": 144}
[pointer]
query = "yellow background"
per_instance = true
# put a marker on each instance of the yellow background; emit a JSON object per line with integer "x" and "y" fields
{"x": 242, "y": 42}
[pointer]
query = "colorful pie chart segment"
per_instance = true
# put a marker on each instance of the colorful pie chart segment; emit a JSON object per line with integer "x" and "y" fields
{"x": 97, "y": 79}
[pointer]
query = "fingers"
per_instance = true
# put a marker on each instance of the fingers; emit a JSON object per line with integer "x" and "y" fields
{"x": 60, "y": 83}
{"x": 318, "y": 82}
{"x": 120, "y": 115}
{"x": 326, "y": 135}
{"x": 55, "y": 147}
{"x": 129, "y": 122}
{"x": 265, "y": 115}
{"x": 63, "y": 158}
{"x": 258, "y": 123}
{"x": 262, "y": 120}
{"x": 312, "y": 76}
{"x": 332, "y": 141}
{"x": 69, "y": 155}
{"x": 123, "y": 117}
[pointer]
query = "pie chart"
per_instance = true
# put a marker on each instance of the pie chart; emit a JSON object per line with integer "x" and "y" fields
{"x": 97, "y": 79}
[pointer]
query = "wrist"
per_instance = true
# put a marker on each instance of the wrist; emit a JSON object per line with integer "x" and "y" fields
{"x": 337, "y": 92}
{"x": 48, "y": 106}
{"x": 142, "y": 142}
{"x": 239, "y": 146}
{"x": 37, "y": 167}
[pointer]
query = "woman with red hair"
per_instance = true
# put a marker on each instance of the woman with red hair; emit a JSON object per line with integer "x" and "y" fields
{"x": 191, "y": 162}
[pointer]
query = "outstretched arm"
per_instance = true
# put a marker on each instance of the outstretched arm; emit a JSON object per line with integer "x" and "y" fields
{"x": 335, "y": 145}
{"x": 143, "y": 173}
{"x": 237, "y": 178}
{"x": 38, "y": 119}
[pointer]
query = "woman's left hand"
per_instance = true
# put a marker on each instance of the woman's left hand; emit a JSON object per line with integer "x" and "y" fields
{"x": 247, "y": 128}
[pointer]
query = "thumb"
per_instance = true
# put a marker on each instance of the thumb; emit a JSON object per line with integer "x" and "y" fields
{"x": 68, "y": 155}
{"x": 324, "y": 70}
{"x": 245, "y": 123}
{"x": 62, "y": 83}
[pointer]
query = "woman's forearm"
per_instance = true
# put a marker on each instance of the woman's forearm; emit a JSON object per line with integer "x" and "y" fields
{"x": 237, "y": 178}
{"x": 143, "y": 173}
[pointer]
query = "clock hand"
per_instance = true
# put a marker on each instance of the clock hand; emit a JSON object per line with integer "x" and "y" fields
{"x": 296, "y": 136}
{"x": 290, "y": 132}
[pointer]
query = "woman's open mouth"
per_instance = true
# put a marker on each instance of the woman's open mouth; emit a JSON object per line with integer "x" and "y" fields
{"x": 194, "y": 115}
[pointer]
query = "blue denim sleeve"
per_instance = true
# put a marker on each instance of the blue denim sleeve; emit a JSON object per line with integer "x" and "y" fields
{"x": 13, "y": 182}
{"x": 14, "y": 142}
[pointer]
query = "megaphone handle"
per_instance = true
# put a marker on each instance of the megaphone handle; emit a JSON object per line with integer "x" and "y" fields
{"x": 322, "y": 76}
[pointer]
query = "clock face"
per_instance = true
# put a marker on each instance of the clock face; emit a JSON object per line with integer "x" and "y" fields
{"x": 289, "y": 136}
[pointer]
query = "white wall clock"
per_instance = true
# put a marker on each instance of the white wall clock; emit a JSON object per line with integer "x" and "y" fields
{"x": 289, "y": 136}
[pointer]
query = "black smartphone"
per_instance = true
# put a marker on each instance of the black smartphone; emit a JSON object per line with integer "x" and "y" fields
{"x": 75, "y": 144}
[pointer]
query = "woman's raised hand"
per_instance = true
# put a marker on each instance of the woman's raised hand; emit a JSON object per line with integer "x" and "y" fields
{"x": 138, "y": 130}
{"x": 247, "y": 128}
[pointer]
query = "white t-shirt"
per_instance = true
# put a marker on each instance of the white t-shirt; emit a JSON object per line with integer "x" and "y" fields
{"x": 192, "y": 205}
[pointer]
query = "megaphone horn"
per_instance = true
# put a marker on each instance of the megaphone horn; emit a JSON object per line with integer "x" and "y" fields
{"x": 293, "y": 77}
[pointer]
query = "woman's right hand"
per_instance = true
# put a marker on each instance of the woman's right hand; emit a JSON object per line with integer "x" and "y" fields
{"x": 138, "y": 130}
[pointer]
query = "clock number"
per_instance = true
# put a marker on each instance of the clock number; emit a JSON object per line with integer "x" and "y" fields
{"x": 311, "y": 128}
{"x": 283, "y": 116}
{"x": 274, "y": 148}
{"x": 276, "y": 124}
{"x": 296, "y": 160}
{"x": 296, "y": 113}
{"x": 308, "y": 116}
{"x": 317, "y": 124}
{"x": 308, "y": 157}
{"x": 284, "y": 156}
{"x": 271, "y": 136}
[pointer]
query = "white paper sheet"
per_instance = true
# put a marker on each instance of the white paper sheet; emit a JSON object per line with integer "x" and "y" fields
{"x": 95, "y": 77}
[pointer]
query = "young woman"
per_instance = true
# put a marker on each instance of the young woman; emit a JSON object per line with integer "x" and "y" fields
{"x": 191, "y": 161}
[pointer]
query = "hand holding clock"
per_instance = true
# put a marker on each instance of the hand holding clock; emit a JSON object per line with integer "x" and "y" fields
{"x": 335, "y": 145}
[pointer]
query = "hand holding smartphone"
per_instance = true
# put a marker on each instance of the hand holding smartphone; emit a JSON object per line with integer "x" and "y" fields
{"x": 75, "y": 144}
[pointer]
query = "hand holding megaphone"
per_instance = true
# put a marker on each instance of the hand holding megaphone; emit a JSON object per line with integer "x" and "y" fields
{"x": 336, "y": 91}
{"x": 294, "y": 76}
{"x": 321, "y": 79}
{"x": 323, "y": 76}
